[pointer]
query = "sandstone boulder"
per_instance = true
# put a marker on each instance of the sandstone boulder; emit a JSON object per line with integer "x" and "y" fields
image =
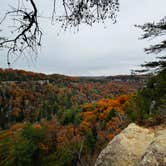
{"x": 155, "y": 154}
{"x": 135, "y": 146}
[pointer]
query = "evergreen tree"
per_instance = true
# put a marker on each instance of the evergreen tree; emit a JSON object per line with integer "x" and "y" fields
{"x": 153, "y": 30}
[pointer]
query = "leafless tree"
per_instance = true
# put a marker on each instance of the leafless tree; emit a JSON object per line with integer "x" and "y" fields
{"x": 27, "y": 32}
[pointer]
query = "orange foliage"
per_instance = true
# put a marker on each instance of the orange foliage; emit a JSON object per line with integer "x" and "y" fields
{"x": 84, "y": 126}
{"x": 17, "y": 127}
{"x": 37, "y": 126}
{"x": 110, "y": 136}
{"x": 89, "y": 116}
{"x": 102, "y": 113}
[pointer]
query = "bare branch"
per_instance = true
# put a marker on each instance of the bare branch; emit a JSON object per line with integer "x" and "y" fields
{"x": 77, "y": 12}
{"x": 28, "y": 35}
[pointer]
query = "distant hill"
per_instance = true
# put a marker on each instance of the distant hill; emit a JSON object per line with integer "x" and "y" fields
{"x": 133, "y": 78}
{"x": 22, "y": 75}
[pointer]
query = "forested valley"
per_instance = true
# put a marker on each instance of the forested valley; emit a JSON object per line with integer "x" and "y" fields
{"x": 61, "y": 120}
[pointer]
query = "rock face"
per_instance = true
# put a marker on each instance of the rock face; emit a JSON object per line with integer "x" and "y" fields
{"x": 155, "y": 154}
{"x": 135, "y": 146}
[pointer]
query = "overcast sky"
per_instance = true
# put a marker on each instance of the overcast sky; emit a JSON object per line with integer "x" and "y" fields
{"x": 93, "y": 50}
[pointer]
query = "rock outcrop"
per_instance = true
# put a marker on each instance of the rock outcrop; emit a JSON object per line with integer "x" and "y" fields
{"x": 155, "y": 154}
{"x": 135, "y": 146}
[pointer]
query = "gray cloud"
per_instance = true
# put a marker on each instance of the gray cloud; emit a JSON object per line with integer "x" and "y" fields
{"x": 94, "y": 50}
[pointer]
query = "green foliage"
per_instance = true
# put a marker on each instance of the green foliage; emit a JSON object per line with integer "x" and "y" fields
{"x": 25, "y": 153}
{"x": 91, "y": 138}
{"x": 22, "y": 149}
{"x": 153, "y": 30}
{"x": 149, "y": 102}
{"x": 103, "y": 124}
{"x": 65, "y": 156}
{"x": 111, "y": 114}
{"x": 139, "y": 107}
{"x": 71, "y": 116}
{"x": 97, "y": 91}
{"x": 32, "y": 134}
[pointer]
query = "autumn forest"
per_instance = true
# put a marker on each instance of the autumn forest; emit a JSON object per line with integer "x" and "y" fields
{"x": 66, "y": 119}
{"x": 61, "y": 120}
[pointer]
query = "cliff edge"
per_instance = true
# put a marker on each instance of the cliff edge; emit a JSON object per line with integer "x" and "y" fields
{"x": 135, "y": 146}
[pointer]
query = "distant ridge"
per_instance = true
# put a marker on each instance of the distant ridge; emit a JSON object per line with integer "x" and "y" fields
{"x": 22, "y": 75}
